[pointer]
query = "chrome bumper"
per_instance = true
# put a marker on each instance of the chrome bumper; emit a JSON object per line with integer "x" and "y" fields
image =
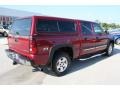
{"x": 18, "y": 58}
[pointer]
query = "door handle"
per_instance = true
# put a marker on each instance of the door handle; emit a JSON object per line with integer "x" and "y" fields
{"x": 97, "y": 38}
{"x": 85, "y": 38}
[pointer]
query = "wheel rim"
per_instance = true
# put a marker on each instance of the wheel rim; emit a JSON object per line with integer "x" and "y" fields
{"x": 118, "y": 41}
{"x": 110, "y": 49}
{"x": 62, "y": 64}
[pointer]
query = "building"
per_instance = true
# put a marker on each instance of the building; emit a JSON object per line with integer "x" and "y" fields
{"x": 5, "y": 21}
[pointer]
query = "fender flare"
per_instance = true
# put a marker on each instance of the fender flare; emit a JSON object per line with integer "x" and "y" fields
{"x": 56, "y": 47}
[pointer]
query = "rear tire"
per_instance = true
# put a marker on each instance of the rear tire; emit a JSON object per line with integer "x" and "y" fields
{"x": 109, "y": 50}
{"x": 61, "y": 63}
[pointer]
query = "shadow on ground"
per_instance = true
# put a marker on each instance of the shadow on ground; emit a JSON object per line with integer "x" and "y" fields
{"x": 78, "y": 64}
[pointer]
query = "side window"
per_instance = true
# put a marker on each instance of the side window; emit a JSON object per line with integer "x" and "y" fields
{"x": 86, "y": 28}
{"x": 66, "y": 26}
{"x": 97, "y": 29}
{"x": 47, "y": 26}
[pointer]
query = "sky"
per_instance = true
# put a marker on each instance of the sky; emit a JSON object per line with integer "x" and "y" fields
{"x": 109, "y": 14}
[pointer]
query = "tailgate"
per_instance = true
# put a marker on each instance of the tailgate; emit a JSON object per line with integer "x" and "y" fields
{"x": 18, "y": 39}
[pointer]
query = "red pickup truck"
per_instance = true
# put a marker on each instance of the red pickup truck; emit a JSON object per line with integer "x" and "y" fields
{"x": 55, "y": 42}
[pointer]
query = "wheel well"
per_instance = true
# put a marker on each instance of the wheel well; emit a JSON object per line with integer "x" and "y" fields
{"x": 67, "y": 50}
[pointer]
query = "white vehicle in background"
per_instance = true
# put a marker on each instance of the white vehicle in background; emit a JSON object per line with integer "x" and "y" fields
{"x": 3, "y": 31}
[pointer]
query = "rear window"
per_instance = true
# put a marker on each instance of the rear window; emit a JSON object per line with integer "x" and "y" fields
{"x": 55, "y": 26}
{"x": 21, "y": 27}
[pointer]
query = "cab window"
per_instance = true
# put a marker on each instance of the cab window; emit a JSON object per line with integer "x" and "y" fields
{"x": 97, "y": 29}
{"x": 86, "y": 28}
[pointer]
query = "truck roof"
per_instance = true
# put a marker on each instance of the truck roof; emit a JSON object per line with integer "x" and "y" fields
{"x": 55, "y": 18}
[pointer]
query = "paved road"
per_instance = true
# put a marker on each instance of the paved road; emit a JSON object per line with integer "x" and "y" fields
{"x": 98, "y": 70}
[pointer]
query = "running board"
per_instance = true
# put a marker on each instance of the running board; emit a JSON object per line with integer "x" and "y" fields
{"x": 96, "y": 55}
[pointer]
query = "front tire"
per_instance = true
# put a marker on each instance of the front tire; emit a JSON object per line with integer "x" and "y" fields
{"x": 5, "y": 34}
{"x": 61, "y": 63}
{"x": 117, "y": 41}
{"x": 109, "y": 49}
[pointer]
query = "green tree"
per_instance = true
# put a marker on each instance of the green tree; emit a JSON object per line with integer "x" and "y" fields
{"x": 105, "y": 26}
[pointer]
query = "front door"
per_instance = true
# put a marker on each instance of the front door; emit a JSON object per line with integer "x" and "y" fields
{"x": 101, "y": 37}
{"x": 87, "y": 38}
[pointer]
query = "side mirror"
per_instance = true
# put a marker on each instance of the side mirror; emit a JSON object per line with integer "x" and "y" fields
{"x": 106, "y": 31}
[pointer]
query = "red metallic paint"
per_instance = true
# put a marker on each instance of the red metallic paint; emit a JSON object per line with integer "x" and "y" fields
{"x": 49, "y": 40}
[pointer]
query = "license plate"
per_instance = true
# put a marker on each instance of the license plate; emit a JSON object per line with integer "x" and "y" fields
{"x": 17, "y": 59}
{"x": 14, "y": 56}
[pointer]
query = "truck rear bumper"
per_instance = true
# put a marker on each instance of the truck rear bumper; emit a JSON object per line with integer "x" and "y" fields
{"x": 17, "y": 57}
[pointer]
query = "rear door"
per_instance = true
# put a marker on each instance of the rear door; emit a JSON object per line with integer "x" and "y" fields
{"x": 101, "y": 37}
{"x": 87, "y": 38}
{"x": 19, "y": 35}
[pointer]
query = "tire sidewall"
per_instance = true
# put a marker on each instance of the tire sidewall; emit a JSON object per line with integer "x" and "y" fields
{"x": 107, "y": 52}
{"x": 56, "y": 58}
{"x": 5, "y": 34}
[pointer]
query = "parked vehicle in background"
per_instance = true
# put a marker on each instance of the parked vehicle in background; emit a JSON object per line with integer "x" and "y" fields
{"x": 3, "y": 31}
{"x": 116, "y": 34}
{"x": 54, "y": 42}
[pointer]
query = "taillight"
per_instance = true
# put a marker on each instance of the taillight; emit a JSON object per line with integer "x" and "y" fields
{"x": 33, "y": 46}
